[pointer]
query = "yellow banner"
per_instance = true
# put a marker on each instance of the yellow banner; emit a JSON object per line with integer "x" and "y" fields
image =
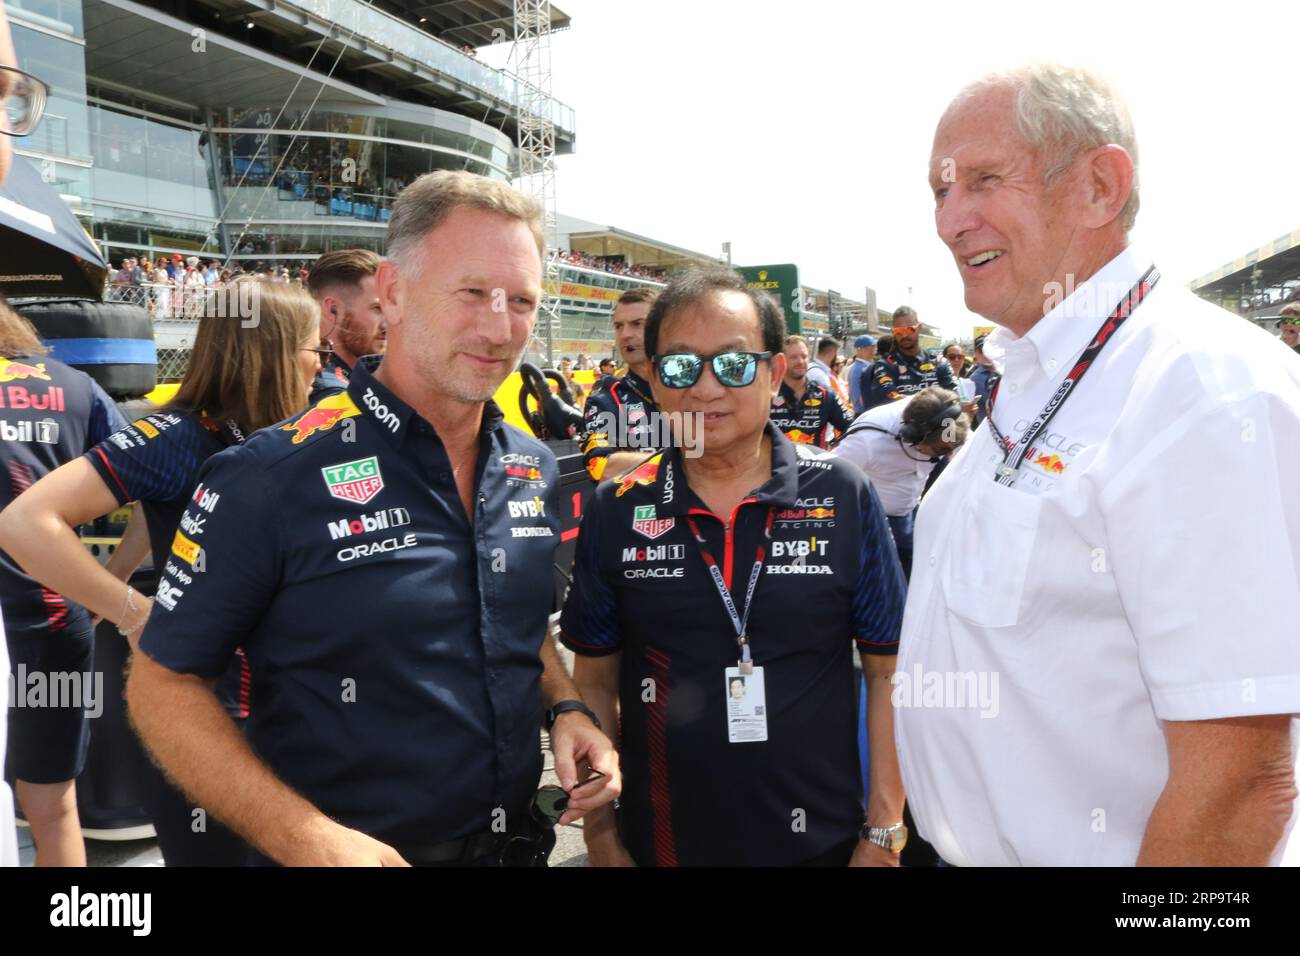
{"x": 575, "y": 290}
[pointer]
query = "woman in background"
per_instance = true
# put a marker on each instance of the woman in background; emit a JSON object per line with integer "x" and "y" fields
{"x": 241, "y": 377}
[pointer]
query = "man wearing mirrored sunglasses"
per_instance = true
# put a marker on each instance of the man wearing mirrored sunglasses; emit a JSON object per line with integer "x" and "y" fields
{"x": 1291, "y": 326}
{"x": 759, "y": 559}
{"x": 907, "y": 368}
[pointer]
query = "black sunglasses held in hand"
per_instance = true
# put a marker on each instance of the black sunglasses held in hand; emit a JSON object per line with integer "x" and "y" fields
{"x": 732, "y": 369}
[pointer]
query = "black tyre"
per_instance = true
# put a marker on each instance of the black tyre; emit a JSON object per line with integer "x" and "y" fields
{"x": 112, "y": 342}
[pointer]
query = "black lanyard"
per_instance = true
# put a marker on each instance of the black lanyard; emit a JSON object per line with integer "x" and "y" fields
{"x": 1013, "y": 454}
{"x": 737, "y": 621}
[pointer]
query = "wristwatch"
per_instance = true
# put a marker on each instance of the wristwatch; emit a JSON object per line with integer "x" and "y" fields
{"x": 564, "y": 706}
{"x": 892, "y": 838}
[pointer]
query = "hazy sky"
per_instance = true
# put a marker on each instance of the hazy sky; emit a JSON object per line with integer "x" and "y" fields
{"x": 801, "y": 131}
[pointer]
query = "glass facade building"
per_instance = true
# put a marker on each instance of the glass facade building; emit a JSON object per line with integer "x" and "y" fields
{"x": 177, "y": 167}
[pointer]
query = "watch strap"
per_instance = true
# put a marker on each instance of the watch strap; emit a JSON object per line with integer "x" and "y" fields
{"x": 564, "y": 706}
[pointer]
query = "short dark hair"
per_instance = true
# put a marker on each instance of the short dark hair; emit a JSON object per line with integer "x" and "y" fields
{"x": 904, "y": 312}
{"x": 827, "y": 345}
{"x": 884, "y": 345}
{"x": 642, "y": 293}
{"x": 342, "y": 267}
{"x": 694, "y": 285}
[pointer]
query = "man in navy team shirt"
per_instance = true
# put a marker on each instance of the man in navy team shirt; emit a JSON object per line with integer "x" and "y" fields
{"x": 737, "y": 752}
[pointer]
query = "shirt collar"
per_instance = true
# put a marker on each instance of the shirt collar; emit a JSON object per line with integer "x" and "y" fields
{"x": 1058, "y": 337}
{"x": 634, "y": 380}
{"x": 781, "y": 489}
{"x": 393, "y": 416}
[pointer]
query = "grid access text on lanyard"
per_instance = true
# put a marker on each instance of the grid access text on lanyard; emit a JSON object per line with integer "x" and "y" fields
{"x": 1014, "y": 455}
{"x": 737, "y": 621}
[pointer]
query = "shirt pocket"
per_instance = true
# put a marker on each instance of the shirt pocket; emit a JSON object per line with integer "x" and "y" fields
{"x": 987, "y": 556}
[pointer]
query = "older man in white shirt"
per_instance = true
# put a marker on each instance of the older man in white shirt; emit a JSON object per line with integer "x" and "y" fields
{"x": 1116, "y": 548}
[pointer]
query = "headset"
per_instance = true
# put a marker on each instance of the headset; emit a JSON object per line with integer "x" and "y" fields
{"x": 913, "y": 433}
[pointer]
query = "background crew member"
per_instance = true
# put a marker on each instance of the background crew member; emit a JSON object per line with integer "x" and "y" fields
{"x": 8, "y": 843}
{"x": 52, "y": 414}
{"x": 1291, "y": 326}
{"x": 409, "y": 733}
{"x": 819, "y": 367}
{"x": 1075, "y": 547}
{"x": 906, "y": 368}
{"x": 982, "y": 375}
{"x": 618, "y": 403}
{"x": 897, "y": 446}
{"x": 806, "y": 413}
{"x": 795, "y": 544}
{"x": 863, "y": 358}
{"x": 238, "y": 380}
{"x": 351, "y": 320}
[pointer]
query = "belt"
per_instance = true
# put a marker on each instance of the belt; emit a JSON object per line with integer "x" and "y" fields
{"x": 464, "y": 850}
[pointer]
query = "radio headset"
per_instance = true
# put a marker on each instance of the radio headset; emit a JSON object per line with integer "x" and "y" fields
{"x": 913, "y": 433}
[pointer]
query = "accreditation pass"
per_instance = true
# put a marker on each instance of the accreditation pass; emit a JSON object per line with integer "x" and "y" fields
{"x": 746, "y": 706}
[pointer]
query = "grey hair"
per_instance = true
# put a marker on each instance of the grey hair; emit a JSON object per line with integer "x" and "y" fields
{"x": 423, "y": 205}
{"x": 1062, "y": 111}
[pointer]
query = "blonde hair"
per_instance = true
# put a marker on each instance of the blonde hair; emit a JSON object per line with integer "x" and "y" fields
{"x": 17, "y": 334}
{"x": 422, "y": 206}
{"x": 248, "y": 371}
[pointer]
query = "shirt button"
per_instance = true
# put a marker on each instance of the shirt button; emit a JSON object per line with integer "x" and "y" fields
{"x": 444, "y": 476}
{"x": 933, "y": 560}
{"x": 1013, "y": 388}
{"x": 1051, "y": 364}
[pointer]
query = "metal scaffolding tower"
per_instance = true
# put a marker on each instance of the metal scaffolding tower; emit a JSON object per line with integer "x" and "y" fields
{"x": 535, "y": 138}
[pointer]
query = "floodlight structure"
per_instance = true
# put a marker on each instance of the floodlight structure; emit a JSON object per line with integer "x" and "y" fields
{"x": 535, "y": 139}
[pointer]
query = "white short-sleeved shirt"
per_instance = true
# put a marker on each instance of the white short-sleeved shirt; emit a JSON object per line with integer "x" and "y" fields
{"x": 897, "y": 473}
{"x": 1143, "y": 568}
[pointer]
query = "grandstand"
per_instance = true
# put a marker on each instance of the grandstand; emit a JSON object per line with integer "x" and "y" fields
{"x": 1257, "y": 284}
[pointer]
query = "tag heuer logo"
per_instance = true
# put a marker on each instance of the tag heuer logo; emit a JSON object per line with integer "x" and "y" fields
{"x": 645, "y": 522}
{"x": 355, "y": 481}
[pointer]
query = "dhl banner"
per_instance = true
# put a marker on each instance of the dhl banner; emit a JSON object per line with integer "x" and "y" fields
{"x": 575, "y": 290}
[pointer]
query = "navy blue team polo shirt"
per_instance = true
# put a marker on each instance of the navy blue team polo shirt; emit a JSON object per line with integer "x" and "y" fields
{"x": 895, "y": 375}
{"x": 804, "y": 420}
{"x": 156, "y": 460}
{"x": 617, "y": 404}
{"x": 49, "y": 414}
{"x": 394, "y": 647}
{"x": 332, "y": 378}
{"x": 830, "y": 578}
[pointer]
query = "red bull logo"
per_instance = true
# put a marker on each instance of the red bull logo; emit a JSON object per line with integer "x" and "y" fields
{"x": 322, "y": 416}
{"x": 820, "y": 514}
{"x": 799, "y": 436}
{"x": 527, "y": 474}
{"x": 647, "y": 473}
{"x": 1051, "y": 464}
{"x": 11, "y": 371}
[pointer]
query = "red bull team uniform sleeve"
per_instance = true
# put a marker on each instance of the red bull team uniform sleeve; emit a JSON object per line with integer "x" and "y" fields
{"x": 642, "y": 588}
{"x": 616, "y": 418}
{"x": 804, "y": 421}
{"x": 393, "y": 643}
